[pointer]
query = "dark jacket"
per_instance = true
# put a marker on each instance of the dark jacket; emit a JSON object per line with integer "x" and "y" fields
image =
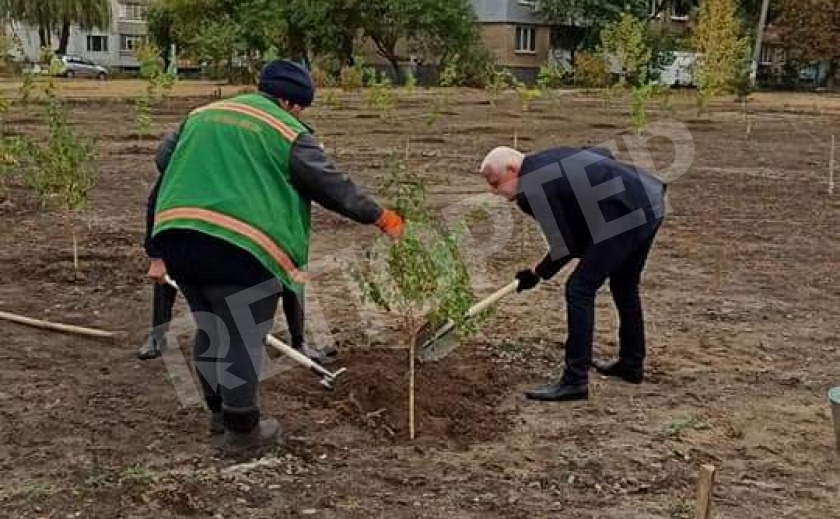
{"x": 313, "y": 175}
{"x": 581, "y": 197}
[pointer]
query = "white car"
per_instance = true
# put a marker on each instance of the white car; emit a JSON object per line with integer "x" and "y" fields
{"x": 75, "y": 66}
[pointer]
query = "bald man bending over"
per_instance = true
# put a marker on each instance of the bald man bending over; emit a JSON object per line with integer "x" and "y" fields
{"x": 604, "y": 213}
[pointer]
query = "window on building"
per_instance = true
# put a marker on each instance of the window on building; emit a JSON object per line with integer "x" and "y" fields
{"x": 129, "y": 42}
{"x": 526, "y": 39}
{"x": 132, "y": 12}
{"x": 767, "y": 53}
{"x": 97, "y": 43}
{"x": 680, "y": 9}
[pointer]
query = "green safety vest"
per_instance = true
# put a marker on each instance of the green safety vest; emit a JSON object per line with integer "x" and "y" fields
{"x": 229, "y": 177}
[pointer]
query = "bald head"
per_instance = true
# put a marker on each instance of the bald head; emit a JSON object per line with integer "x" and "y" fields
{"x": 500, "y": 169}
{"x": 499, "y": 159}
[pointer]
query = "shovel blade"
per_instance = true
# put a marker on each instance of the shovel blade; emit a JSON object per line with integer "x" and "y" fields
{"x": 433, "y": 343}
{"x": 439, "y": 349}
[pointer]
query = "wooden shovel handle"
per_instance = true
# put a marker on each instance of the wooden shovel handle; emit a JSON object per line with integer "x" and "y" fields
{"x": 493, "y": 298}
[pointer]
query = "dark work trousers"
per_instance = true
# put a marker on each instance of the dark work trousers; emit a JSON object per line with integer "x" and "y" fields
{"x": 162, "y": 302}
{"x": 229, "y": 350}
{"x": 621, "y": 259}
{"x": 293, "y": 310}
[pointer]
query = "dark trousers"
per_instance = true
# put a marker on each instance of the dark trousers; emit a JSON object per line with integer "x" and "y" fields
{"x": 164, "y": 299}
{"x": 229, "y": 351}
{"x": 293, "y": 310}
{"x": 621, "y": 259}
{"x": 227, "y": 354}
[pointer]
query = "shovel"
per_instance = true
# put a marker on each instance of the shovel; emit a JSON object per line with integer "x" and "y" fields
{"x": 435, "y": 343}
{"x": 328, "y": 378}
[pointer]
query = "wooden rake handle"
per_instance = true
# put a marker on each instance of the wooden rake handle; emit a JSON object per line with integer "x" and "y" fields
{"x": 65, "y": 328}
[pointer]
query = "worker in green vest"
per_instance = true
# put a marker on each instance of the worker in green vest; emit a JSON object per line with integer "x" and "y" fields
{"x": 230, "y": 217}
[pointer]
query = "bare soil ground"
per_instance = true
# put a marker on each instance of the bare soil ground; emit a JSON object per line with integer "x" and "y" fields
{"x": 742, "y": 308}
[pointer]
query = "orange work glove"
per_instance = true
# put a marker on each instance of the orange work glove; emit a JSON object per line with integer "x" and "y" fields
{"x": 390, "y": 223}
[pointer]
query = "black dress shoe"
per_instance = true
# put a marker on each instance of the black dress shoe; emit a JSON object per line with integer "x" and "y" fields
{"x": 559, "y": 392}
{"x": 620, "y": 370}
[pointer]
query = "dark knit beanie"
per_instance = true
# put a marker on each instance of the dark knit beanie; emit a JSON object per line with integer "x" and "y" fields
{"x": 287, "y": 80}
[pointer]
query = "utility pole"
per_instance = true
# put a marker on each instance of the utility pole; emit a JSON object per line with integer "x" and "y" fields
{"x": 759, "y": 35}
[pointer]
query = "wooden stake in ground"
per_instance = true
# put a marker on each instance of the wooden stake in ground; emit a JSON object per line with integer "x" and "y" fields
{"x": 831, "y": 168}
{"x": 47, "y": 325}
{"x": 705, "y": 490}
{"x": 411, "y": 388}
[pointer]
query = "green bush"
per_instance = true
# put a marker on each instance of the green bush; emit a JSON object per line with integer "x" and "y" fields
{"x": 470, "y": 68}
{"x": 553, "y": 76}
{"x": 351, "y": 78}
{"x": 590, "y": 71}
{"x": 321, "y": 78}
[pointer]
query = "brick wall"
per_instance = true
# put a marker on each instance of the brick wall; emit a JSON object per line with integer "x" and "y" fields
{"x": 500, "y": 39}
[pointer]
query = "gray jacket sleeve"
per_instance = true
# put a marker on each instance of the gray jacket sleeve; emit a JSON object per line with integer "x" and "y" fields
{"x": 316, "y": 178}
{"x": 164, "y": 154}
{"x": 165, "y": 150}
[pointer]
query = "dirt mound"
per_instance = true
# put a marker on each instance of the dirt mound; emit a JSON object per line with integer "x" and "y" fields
{"x": 457, "y": 400}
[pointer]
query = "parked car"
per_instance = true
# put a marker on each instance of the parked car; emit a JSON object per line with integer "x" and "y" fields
{"x": 75, "y": 66}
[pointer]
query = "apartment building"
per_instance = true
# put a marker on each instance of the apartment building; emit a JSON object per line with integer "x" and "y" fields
{"x": 519, "y": 37}
{"x": 112, "y": 47}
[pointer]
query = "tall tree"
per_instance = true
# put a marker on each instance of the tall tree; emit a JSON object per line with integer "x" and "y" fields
{"x": 626, "y": 42}
{"x": 86, "y": 14}
{"x": 57, "y": 16}
{"x": 721, "y": 48}
{"x": 447, "y": 27}
{"x": 442, "y": 26}
{"x": 221, "y": 30}
{"x": 331, "y": 26}
{"x": 810, "y": 31}
{"x": 160, "y": 20}
{"x": 583, "y": 20}
{"x": 387, "y": 22}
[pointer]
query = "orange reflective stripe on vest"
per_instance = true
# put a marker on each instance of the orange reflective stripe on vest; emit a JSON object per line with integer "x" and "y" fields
{"x": 229, "y": 106}
{"x": 239, "y": 227}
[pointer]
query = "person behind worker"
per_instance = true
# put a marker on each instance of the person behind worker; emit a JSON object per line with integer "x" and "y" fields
{"x": 230, "y": 216}
{"x": 606, "y": 214}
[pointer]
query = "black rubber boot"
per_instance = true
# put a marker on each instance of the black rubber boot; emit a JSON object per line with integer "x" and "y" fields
{"x": 620, "y": 369}
{"x": 245, "y": 430}
{"x": 217, "y": 421}
{"x": 152, "y": 348}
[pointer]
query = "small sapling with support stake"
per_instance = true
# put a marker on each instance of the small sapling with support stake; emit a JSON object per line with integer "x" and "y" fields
{"x": 420, "y": 275}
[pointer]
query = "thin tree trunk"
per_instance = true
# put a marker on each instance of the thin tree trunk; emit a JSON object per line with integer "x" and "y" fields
{"x": 44, "y": 37}
{"x": 395, "y": 64}
{"x": 297, "y": 43}
{"x": 347, "y": 50}
{"x": 64, "y": 39}
{"x": 388, "y": 52}
{"x": 832, "y": 71}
